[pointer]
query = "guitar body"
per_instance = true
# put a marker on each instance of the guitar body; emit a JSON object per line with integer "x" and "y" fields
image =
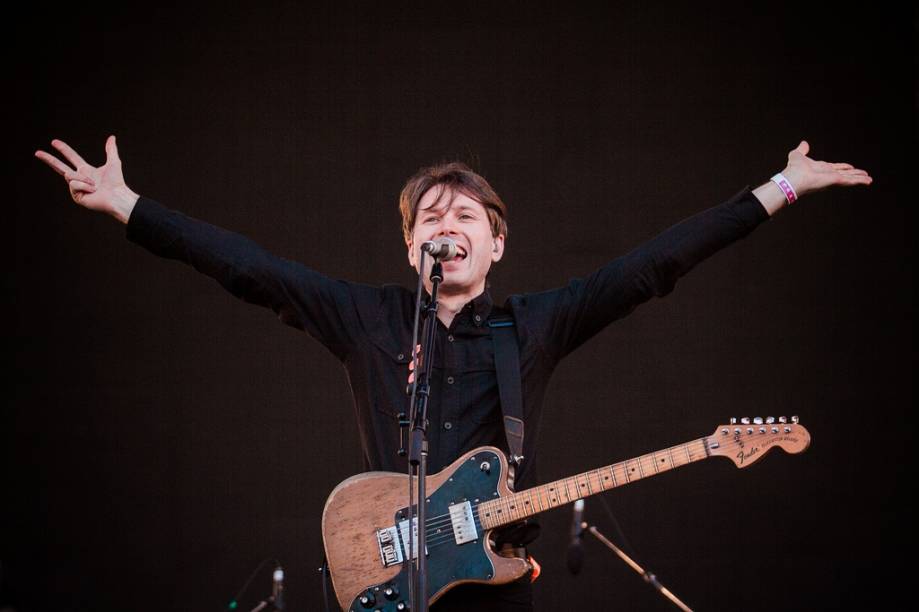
{"x": 365, "y": 564}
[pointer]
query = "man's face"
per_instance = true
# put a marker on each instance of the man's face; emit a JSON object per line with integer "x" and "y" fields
{"x": 466, "y": 223}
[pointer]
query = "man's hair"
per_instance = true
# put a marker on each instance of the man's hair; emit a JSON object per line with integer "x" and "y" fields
{"x": 456, "y": 177}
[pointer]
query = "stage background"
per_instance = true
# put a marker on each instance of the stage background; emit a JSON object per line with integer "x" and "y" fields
{"x": 161, "y": 437}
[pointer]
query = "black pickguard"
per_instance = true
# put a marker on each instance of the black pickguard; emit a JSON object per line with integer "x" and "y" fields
{"x": 447, "y": 562}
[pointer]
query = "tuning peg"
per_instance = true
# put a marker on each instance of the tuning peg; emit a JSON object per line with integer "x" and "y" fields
{"x": 745, "y": 420}
{"x": 794, "y": 419}
{"x": 733, "y": 420}
{"x": 783, "y": 419}
{"x": 758, "y": 420}
{"x": 770, "y": 420}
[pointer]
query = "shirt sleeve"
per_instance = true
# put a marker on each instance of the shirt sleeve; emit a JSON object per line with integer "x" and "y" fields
{"x": 566, "y": 317}
{"x": 300, "y": 297}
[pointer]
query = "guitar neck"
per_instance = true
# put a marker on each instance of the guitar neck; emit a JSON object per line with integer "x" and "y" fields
{"x": 532, "y": 501}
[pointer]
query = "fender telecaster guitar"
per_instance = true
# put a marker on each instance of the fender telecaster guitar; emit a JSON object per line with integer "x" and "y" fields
{"x": 365, "y": 531}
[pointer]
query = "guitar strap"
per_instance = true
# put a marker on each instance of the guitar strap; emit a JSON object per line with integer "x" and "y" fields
{"x": 507, "y": 366}
{"x": 512, "y": 540}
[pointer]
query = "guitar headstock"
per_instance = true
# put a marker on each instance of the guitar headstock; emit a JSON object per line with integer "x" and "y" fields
{"x": 750, "y": 439}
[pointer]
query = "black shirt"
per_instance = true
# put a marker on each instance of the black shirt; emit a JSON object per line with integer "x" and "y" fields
{"x": 369, "y": 328}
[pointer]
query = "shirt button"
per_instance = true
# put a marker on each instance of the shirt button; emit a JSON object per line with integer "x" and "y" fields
{"x": 478, "y": 318}
{"x": 448, "y": 425}
{"x": 401, "y": 356}
{"x": 450, "y": 337}
{"x": 449, "y": 380}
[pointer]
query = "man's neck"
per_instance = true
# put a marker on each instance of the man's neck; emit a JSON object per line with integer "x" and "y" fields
{"x": 450, "y": 304}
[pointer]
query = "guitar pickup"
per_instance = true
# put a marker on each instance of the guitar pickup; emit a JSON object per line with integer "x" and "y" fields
{"x": 463, "y": 523}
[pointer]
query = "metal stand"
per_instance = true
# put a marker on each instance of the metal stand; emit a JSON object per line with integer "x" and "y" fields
{"x": 648, "y": 576}
{"x": 418, "y": 447}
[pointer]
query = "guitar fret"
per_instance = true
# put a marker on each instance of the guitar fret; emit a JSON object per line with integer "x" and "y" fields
{"x": 519, "y": 505}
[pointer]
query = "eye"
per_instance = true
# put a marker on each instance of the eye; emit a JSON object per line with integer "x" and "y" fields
{"x": 467, "y": 217}
{"x": 431, "y": 219}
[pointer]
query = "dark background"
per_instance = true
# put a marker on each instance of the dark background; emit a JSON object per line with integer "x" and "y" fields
{"x": 162, "y": 437}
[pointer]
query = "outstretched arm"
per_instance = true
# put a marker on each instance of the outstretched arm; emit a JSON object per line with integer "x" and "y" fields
{"x": 301, "y": 297}
{"x": 568, "y": 316}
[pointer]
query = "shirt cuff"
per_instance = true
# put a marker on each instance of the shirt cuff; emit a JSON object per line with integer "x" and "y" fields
{"x": 748, "y": 208}
{"x": 145, "y": 217}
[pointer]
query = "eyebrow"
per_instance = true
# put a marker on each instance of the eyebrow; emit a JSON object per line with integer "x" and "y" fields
{"x": 460, "y": 207}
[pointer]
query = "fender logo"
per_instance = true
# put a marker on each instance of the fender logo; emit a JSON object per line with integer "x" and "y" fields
{"x": 742, "y": 456}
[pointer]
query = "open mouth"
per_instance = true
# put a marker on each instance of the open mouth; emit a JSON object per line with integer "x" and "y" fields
{"x": 460, "y": 254}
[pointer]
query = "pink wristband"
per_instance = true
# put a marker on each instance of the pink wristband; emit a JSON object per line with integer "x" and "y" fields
{"x": 785, "y": 186}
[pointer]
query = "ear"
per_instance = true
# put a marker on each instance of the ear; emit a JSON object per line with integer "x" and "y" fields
{"x": 498, "y": 248}
{"x": 411, "y": 253}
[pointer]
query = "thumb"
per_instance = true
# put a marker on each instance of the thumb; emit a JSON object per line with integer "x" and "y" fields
{"x": 803, "y": 147}
{"x": 111, "y": 149}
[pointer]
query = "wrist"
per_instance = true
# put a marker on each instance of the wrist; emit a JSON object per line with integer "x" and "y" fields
{"x": 123, "y": 203}
{"x": 786, "y": 186}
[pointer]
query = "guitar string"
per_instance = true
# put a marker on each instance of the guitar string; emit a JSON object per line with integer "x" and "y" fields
{"x": 439, "y": 538}
{"x": 442, "y": 519}
{"x": 573, "y": 480}
{"x": 439, "y": 521}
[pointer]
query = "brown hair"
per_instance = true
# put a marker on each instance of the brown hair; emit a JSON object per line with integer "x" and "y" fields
{"x": 459, "y": 178}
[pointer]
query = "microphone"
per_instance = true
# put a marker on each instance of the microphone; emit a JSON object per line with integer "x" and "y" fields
{"x": 440, "y": 248}
{"x": 277, "y": 588}
{"x": 575, "y": 556}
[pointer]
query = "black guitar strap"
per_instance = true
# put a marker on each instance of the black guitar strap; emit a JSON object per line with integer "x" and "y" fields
{"x": 507, "y": 366}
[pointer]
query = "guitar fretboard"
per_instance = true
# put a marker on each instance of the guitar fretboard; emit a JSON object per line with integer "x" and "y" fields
{"x": 526, "y": 503}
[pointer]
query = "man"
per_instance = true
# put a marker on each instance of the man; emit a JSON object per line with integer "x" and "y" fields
{"x": 369, "y": 329}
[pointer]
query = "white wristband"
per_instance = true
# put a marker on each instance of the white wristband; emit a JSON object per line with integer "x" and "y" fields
{"x": 785, "y": 186}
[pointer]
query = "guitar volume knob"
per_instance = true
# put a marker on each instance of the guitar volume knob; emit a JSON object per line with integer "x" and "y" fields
{"x": 367, "y": 600}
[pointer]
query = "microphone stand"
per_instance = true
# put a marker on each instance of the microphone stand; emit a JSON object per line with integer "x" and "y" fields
{"x": 418, "y": 448}
{"x": 648, "y": 576}
{"x": 276, "y": 599}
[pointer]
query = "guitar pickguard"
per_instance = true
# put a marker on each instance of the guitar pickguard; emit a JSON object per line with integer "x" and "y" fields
{"x": 448, "y": 561}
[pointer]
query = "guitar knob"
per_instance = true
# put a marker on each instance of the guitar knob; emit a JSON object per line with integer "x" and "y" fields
{"x": 391, "y": 592}
{"x": 733, "y": 420}
{"x": 402, "y": 605}
{"x": 745, "y": 420}
{"x": 783, "y": 419}
{"x": 770, "y": 420}
{"x": 367, "y": 600}
{"x": 485, "y": 467}
{"x": 794, "y": 419}
{"x": 758, "y": 420}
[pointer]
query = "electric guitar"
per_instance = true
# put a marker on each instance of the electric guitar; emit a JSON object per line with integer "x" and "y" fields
{"x": 365, "y": 529}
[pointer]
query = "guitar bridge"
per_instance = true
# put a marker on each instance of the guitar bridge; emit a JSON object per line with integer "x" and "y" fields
{"x": 390, "y": 550}
{"x": 393, "y": 543}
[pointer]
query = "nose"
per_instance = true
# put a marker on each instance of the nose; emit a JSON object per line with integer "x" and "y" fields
{"x": 446, "y": 227}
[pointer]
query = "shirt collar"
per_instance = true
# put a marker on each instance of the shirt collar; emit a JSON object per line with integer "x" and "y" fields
{"x": 480, "y": 306}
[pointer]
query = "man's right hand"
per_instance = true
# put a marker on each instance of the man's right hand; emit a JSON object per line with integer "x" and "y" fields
{"x": 103, "y": 188}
